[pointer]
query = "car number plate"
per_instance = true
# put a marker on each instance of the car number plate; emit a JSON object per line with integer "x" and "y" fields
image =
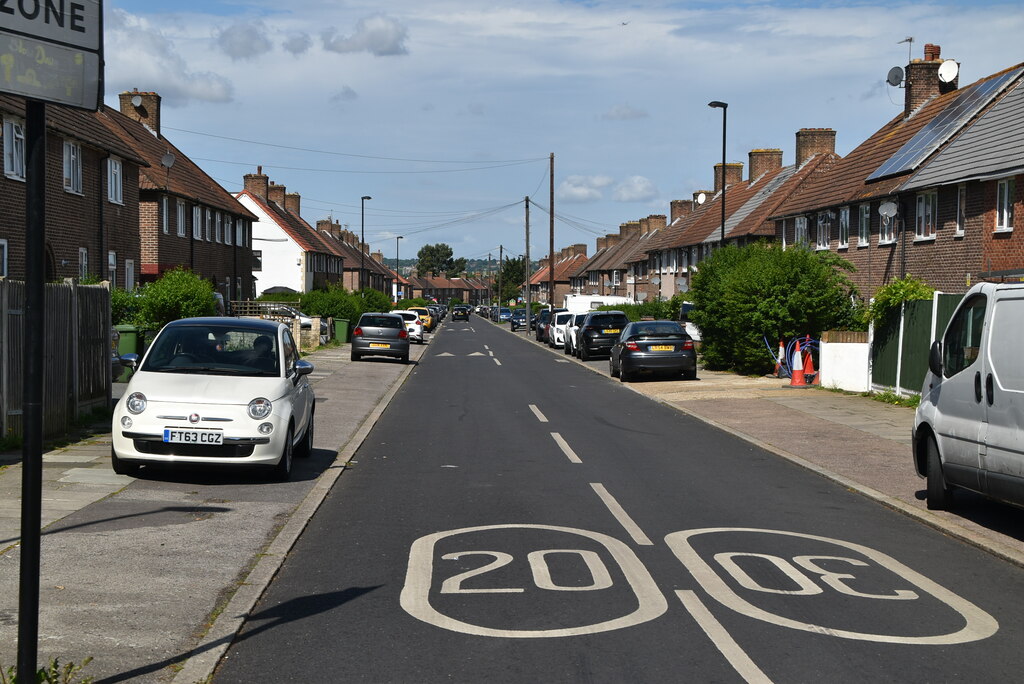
{"x": 379, "y": 345}
{"x": 662, "y": 347}
{"x": 609, "y": 331}
{"x": 194, "y": 436}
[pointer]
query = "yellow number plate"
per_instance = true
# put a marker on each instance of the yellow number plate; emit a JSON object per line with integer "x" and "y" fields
{"x": 609, "y": 331}
{"x": 378, "y": 345}
{"x": 662, "y": 347}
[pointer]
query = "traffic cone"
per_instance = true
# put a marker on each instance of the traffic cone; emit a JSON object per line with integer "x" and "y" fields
{"x": 809, "y": 368}
{"x": 778, "y": 359}
{"x": 797, "y": 376}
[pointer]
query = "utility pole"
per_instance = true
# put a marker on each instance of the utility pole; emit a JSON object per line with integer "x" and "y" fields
{"x": 551, "y": 237}
{"x": 501, "y": 249}
{"x": 529, "y": 308}
{"x": 490, "y": 278}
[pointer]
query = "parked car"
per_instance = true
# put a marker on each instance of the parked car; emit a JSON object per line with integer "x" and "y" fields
{"x": 598, "y": 332}
{"x": 216, "y": 391}
{"x": 544, "y": 319}
{"x": 657, "y": 346}
{"x": 517, "y": 320}
{"x": 556, "y": 329}
{"x": 460, "y": 313}
{"x": 380, "y": 334}
{"x": 426, "y": 316}
{"x": 413, "y": 324}
{"x": 967, "y": 427}
{"x": 571, "y": 329}
{"x": 504, "y": 314}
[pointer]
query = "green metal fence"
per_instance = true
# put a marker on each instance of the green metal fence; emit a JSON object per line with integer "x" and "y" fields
{"x": 901, "y": 342}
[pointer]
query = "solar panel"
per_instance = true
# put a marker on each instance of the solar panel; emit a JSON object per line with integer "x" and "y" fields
{"x": 940, "y": 129}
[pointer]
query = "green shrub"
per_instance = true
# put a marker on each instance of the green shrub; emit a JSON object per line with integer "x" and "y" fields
{"x": 406, "y": 303}
{"x": 334, "y": 302}
{"x": 179, "y": 293}
{"x": 125, "y": 307}
{"x": 374, "y": 300}
{"x": 891, "y": 296}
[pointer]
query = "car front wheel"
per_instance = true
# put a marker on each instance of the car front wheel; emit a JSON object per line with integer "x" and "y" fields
{"x": 283, "y": 470}
{"x": 306, "y": 448}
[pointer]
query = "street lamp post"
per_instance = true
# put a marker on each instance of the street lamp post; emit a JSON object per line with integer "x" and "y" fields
{"x": 362, "y": 239}
{"x": 398, "y": 282}
{"x": 724, "y": 106}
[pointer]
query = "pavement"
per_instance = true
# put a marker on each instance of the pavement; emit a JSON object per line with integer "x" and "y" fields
{"x": 127, "y": 578}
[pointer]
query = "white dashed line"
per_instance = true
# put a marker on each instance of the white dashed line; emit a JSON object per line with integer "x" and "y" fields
{"x": 536, "y": 412}
{"x": 566, "y": 449}
{"x": 620, "y": 514}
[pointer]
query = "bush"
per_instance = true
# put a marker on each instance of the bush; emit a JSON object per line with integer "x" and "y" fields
{"x": 125, "y": 307}
{"x": 893, "y": 295}
{"x": 374, "y": 300}
{"x": 406, "y": 303}
{"x": 179, "y": 293}
{"x": 663, "y": 310}
{"x": 334, "y": 302}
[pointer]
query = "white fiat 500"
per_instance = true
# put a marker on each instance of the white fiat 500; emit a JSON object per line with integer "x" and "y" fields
{"x": 225, "y": 391}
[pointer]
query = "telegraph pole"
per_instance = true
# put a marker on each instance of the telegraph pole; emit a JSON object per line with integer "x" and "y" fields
{"x": 529, "y": 308}
{"x": 551, "y": 237}
{"x": 501, "y": 249}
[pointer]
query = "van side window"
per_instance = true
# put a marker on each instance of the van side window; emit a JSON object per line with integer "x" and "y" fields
{"x": 1005, "y": 333}
{"x": 962, "y": 342}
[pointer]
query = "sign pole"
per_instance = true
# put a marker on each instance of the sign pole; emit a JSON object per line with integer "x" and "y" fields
{"x": 32, "y": 424}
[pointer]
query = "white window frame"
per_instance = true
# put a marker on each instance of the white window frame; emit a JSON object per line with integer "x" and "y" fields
{"x": 72, "y": 167}
{"x": 14, "y": 149}
{"x": 129, "y": 274}
{"x": 115, "y": 187}
{"x": 800, "y": 236}
{"x": 180, "y": 215}
{"x": 927, "y": 216}
{"x": 217, "y": 229}
{"x": 823, "y": 230}
{"x": 83, "y": 262}
{"x": 165, "y": 215}
{"x": 616, "y": 278}
{"x": 209, "y": 225}
{"x": 864, "y": 225}
{"x": 844, "y": 227}
{"x": 887, "y": 231}
{"x": 197, "y": 222}
{"x": 112, "y": 268}
{"x": 3, "y": 257}
{"x": 1005, "y": 190}
{"x": 257, "y": 260}
{"x": 229, "y": 226}
{"x": 961, "y": 210}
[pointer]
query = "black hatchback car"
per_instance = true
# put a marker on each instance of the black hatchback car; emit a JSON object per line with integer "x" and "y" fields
{"x": 460, "y": 313}
{"x": 657, "y": 346}
{"x": 598, "y": 332}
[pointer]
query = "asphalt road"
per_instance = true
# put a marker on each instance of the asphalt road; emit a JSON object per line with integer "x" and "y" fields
{"x": 513, "y": 517}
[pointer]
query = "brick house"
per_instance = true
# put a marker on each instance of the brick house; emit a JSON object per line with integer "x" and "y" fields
{"x": 568, "y": 262}
{"x": 185, "y": 217}
{"x": 92, "y": 197}
{"x": 933, "y": 193}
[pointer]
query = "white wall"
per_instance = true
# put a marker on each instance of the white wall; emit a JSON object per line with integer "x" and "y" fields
{"x": 846, "y": 365}
{"x": 283, "y": 260}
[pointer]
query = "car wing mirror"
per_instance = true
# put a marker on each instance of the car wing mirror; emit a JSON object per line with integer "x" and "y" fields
{"x": 935, "y": 358}
{"x": 303, "y": 367}
{"x": 129, "y": 360}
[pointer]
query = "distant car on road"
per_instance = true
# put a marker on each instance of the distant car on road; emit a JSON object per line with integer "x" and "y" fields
{"x": 517, "y": 320}
{"x": 504, "y": 314}
{"x": 460, "y": 313}
{"x": 380, "y": 334}
{"x": 657, "y": 346}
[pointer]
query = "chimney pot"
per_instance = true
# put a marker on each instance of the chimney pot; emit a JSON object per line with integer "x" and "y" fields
{"x": 812, "y": 141}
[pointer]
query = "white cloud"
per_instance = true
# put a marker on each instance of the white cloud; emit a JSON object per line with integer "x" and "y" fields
{"x": 297, "y": 43}
{"x": 378, "y": 34}
{"x": 623, "y": 112}
{"x": 582, "y": 189}
{"x": 635, "y": 189}
{"x": 243, "y": 40}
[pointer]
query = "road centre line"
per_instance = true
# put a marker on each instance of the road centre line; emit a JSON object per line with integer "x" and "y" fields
{"x": 497, "y": 361}
{"x": 722, "y": 640}
{"x": 566, "y": 449}
{"x": 619, "y": 513}
{"x": 540, "y": 416}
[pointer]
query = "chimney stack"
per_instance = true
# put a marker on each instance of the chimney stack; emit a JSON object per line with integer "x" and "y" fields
{"x": 707, "y": 196}
{"x": 680, "y": 208}
{"x": 922, "y": 80}
{"x": 378, "y": 257}
{"x": 275, "y": 193}
{"x": 764, "y": 161}
{"x": 292, "y": 201}
{"x": 147, "y": 112}
{"x": 628, "y": 230}
{"x": 579, "y": 248}
{"x": 256, "y": 183}
{"x": 601, "y": 243}
{"x": 733, "y": 174}
{"x": 612, "y": 239}
{"x": 812, "y": 141}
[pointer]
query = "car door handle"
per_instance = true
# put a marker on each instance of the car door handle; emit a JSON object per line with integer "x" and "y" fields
{"x": 977, "y": 387}
{"x": 989, "y": 389}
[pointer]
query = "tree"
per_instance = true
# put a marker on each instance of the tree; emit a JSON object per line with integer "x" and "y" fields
{"x": 435, "y": 259}
{"x": 457, "y": 268}
{"x": 179, "y": 293}
{"x": 513, "y": 274}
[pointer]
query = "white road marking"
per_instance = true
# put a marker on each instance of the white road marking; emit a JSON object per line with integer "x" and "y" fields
{"x": 497, "y": 362}
{"x": 564, "y": 446}
{"x": 443, "y": 354}
{"x": 478, "y": 354}
{"x": 536, "y": 412}
{"x": 722, "y": 640}
{"x": 486, "y": 347}
{"x": 562, "y": 361}
{"x": 490, "y": 353}
{"x": 619, "y": 513}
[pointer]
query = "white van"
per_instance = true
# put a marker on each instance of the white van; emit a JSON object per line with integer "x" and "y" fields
{"x": 969, "y": 426}
{"x": 578, "y": 303}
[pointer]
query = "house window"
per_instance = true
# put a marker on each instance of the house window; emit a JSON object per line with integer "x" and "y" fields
{"x": 3, "y": 258}
{"x": 115, "y": 192}
{"x": 181, "y": 218}
{"x": 1004, "y": 204}
{"x": 129, "y": 274}
{"x": 209, "y": 225}
{"x": 72, "y": 167}
{"x": 887, "y": 232}
{"x": 864, "y": 226}
{"x": 616, "y": 278}
{"x": 229, "y": 227}
{"x": 823, "y": 236}
{"x": 238, "y": 287}
{"x": 800, "y": 236}
{"x": 257, "y": 259}
{"x": 197, "y": 223}
{"x": 927, "y": 214}
{"x": 961, "y": 208}
{"x": 14, "y": 149}
{"x": 217, "y": 232}
{"x": 83, "y": 262}
{"x": 844, "y": 226}
{"x": 165, "y": 215}
{"x": 112, "y": 268}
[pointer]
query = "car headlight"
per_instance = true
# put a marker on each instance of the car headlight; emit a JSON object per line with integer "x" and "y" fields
{"x": 136, "y": 403}
{"x": 259, "y": 408}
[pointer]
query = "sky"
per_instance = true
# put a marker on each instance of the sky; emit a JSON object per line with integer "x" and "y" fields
{"x": 446, "y": 112}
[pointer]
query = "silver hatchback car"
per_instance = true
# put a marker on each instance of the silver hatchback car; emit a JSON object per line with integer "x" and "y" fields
{"x": 380, "y": 334}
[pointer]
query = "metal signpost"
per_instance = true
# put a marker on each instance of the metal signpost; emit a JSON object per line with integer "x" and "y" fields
{"x": 49, "y": 52}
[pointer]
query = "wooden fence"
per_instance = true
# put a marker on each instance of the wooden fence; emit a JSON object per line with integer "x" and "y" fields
{"x": 899, "y": 348}
{"x": 76, "y": 354}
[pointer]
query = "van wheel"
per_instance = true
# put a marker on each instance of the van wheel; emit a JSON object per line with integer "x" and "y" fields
{"x": 939, "y": 494}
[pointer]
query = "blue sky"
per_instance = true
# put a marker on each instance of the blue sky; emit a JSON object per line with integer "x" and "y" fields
{"x": 445, "y": 112}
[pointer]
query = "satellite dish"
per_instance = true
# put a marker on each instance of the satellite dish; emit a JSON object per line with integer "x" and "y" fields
{"x": 655, "y": 280}
{"x": 641, "y": 296}
{"x": 136, "y": 100}
{"x": 948, "y": 71}
{"x": 895, "y": 77}
{"x": 167, "y": 160}
{"x": 607, "y": 283}
{"x": 702, "y": 198}
{"x": 887, "y": 209}
{"x": 681, "y": 285}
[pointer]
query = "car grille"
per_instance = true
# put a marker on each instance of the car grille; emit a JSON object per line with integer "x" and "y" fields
{"x": 145, "y": 446}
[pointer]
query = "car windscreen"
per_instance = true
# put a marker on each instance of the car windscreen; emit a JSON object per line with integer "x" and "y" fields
{"x": 608, "y": 320}
{"x": 214, "y": 350}
{"x": 381, "y": 322}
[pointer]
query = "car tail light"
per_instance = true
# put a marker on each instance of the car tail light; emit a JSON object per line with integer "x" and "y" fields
{"x": 403, "y": 334}
{"x": 688, "y": 344}
{"x": 632, "y": 346}
{"x": 358, "y": 332}
{"x": 590, "y": 330}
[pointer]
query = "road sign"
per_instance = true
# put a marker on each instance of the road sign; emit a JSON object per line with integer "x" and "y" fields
{"x": 53, "y": 51}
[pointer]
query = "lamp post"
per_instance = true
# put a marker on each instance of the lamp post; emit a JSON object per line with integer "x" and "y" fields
{"x": 398, "y": 282}
{"x": 724, "y": 106}
{"x": 362, "y": 239}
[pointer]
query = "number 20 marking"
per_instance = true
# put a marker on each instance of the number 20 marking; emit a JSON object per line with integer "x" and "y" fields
{"x": 602, "y": 579}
